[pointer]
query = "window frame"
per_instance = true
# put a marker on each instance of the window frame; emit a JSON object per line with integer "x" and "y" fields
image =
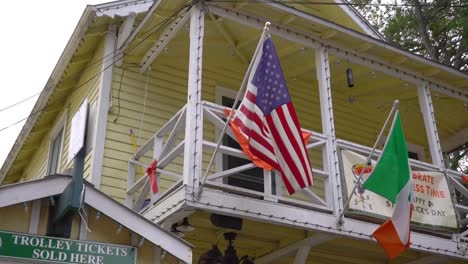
{"x": 58, "y": 130}
{"x": 220, "y": 93}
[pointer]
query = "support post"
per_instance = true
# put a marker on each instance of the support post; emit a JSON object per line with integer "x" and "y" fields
{"x": 103, "y": 107}
{"x": 35, "y": 217}
{"x": 130, "y": 181}
{"x": 427, "y": 110}
{"x": 194, "y": 115}
{"x": 330, "y": 156}
{"x": 301, "y": 255}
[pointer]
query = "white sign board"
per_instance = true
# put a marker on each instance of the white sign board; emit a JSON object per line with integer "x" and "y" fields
{"x": 78, "y": 131}
{"x": 432, "y": 203}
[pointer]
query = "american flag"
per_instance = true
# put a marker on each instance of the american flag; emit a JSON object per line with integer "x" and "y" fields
{"x": 266, "y": 125}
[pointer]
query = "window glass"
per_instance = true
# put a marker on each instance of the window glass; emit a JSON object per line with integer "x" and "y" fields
{"x": 250, "y": 179}
{"x": 55, "y": 151}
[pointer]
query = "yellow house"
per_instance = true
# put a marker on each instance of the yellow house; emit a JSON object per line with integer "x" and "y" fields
{"x": 156, "y": 77}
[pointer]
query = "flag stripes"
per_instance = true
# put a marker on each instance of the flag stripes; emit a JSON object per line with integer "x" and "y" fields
{"x": 266, "y": 123}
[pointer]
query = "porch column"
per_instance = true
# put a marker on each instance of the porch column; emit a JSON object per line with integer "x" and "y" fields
{"x": 427, "y": 110}
{"x": 194, "y": 116}
{"x": 330, "y": 156}
{"x": 103, "y": 101}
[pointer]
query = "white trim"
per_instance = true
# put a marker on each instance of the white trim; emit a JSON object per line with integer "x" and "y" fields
{"x": 192, "y": 165}
{"x": 59, "y": 127}
{"x": 86, "y": 19}
{"x": 102, "y": 110}
{"x": 123, "y": 8}
{"x": 333, "y": 190}
{"x": 124, "y": 33}
{"x": 53, "y": 185}
{"x": 351, "y": 55}
{"x": 359, "y": 19}
{"x": 221, "y": 92}
{"x": 148, "y": 15}
{"x": 302, "y": 254}
{"x": 166, "y": 36}
{"x": 138, "y": 224}
{"x": 83, "y": 232}
{"x": 359, "y": 35}
{"x": 291, "y": 248}
{"x": 427, "y": 111}
{"x": 32, "y": 190}
{"x": 35, "y": 217}
{"x": 279, "y": 214}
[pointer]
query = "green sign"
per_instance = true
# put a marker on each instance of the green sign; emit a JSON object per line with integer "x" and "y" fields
{"x": 58, "y": 250}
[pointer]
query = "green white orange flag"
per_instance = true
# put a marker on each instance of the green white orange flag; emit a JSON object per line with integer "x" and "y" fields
{"x": 391, "y": 178}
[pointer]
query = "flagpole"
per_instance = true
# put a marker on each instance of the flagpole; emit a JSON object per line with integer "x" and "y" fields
{"x": 368, "y": 161}
{"x": 265, "y": 32}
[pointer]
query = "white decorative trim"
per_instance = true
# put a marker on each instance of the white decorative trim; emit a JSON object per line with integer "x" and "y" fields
{"x": 192, "y": 166}
{"x": 221, "y": 92}
{"x": 50, "y": 186}
{"x": 86, "y": 19}
{"x": 359, "y": 19}
{"x": 102, "y": 110}
{"x": 35, "y": 217}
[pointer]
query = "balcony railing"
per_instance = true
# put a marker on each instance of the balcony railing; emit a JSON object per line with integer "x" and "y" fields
{"x": 167, "y": 146}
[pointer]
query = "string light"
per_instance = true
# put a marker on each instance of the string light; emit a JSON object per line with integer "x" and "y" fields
{"x": 306, "y": 224}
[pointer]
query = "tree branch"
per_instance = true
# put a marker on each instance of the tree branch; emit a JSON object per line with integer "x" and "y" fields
{"x": 422, "y": 30}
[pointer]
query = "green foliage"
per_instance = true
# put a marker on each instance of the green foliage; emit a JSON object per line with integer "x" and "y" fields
{"x": 436, "y": 29}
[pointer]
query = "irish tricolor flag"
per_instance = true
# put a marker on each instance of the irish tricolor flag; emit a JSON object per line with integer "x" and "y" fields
{"x": 391, "y": 178}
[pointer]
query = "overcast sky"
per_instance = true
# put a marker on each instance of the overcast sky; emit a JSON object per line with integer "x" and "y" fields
{"x": 33, "y": 36}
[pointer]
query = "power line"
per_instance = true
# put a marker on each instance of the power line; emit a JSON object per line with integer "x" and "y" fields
{"x": 59, "y": 100}
{"x": 305, "y": 2}
{"x": 104, "y": 59}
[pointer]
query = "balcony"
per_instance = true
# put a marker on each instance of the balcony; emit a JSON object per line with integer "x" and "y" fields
{"x": 317, "y": 208}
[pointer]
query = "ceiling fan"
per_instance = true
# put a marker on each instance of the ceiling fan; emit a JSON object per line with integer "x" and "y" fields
{"x": 214, "y": 255}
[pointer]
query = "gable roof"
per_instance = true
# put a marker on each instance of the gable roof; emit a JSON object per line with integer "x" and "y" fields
{"x": 357, "y": 37}
{"x": 53, "y": 185}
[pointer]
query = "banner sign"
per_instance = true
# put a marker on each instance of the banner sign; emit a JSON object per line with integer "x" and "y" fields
{"x": 58, "y": 250}
{"x": 431, "y": 196}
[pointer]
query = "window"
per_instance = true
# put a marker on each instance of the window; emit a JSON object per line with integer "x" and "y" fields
{"x": 250, "y": 179}
{"x": 56, "y": 143}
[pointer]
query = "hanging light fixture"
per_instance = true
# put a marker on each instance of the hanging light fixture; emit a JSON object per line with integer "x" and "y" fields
{"x": 230, "y": 255}
{"x": 214, "y": 256}
{"x": 185, "y": 226}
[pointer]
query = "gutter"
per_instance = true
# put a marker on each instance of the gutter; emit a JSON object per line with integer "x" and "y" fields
{"x": 80, "y": 31}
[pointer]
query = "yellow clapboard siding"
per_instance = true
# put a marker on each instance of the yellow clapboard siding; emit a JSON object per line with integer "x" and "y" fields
{"x": 15, "y": 224}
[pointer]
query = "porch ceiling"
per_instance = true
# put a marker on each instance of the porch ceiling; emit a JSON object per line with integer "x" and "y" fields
{"x": 259, "y": 238}
{"x": 359, "y": 112}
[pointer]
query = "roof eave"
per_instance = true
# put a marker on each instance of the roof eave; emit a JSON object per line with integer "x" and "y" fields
{"x": 53, "y": 185}
{"x": 360, "y": 19}
{"x": 85, "y": 21}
